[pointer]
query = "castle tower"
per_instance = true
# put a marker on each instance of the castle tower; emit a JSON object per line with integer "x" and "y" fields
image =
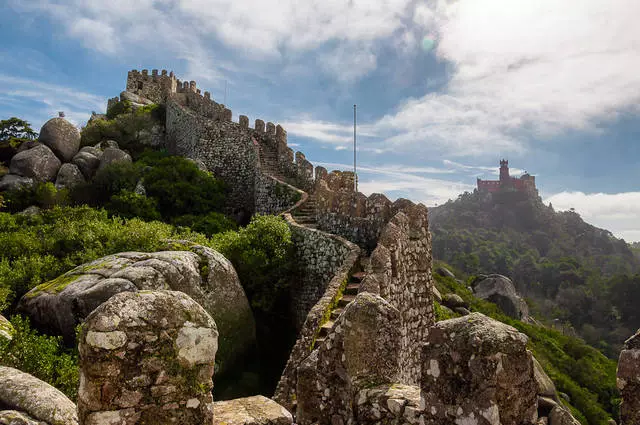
{"x": 504, "y": 171}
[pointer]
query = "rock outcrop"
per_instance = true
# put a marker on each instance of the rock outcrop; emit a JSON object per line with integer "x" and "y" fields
{"x": 14, "y": 182}
{"x": 62, "y": 137}
{"x": 112, "y": 155}
{"x": 500, "y": 290}
{"x": 205, "y": 275}
{"x": 147, "y": 357}
{"x": 629, "y": 381}
{"x": 477, "y": 370}
{"x": 361, "y": 349}
{"x": 256, "y": 410}
{"x": 69, "y": 175}
{"x": 32, "y": 401}
{"x": 38, "y": 163}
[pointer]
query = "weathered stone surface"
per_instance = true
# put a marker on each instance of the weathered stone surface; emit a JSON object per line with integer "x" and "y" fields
{"x": 132, "y": 97}
{"x": 113, "y": 155}
{"x": 14, "y": 182}
{"x": 6, "y": 329}
{"x": 443, "y": 271}
{"x": 256, "y": 410}
{"x": 204, "y": 274}
{"x": 629, "y": 381}
{"x": 35, "y": 398}
{"x": 147, "y": 357}
{"x": 560, "y": 416}
{"x": 69, "y": 175}
{"x": 87, "y": 162}
{"x": 13, "y": 417}
{"x": 345, "y": 362}
{"x": 453, "y": 301}
{"x": 475, "y": 368}
{"x": 546, "y": 388}
{"x": 39, "y": 163}
{"x": 389, "y": 404}
{"x": 500, "y": 290}
{"x": 62, "y": 137}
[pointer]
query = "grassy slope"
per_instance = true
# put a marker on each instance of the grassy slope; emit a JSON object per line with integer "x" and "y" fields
{"x": 577, "y": 369}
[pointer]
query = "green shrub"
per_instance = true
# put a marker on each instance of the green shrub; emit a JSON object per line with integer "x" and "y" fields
{"x": 127, "y": 204}
{"x": 42, "y": 356}
{"x": 262, "y": 255}
{"x": 41, "y": 247}
{"x": 119, "y": 108}
{"x": 43, "y": 195}
{"x": 181, "y": 188}
{"x": 110, "y": 181}
{"x": 209, "y": 224}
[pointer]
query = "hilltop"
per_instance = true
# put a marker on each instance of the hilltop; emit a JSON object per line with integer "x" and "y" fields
{"x": 569, "y": 270}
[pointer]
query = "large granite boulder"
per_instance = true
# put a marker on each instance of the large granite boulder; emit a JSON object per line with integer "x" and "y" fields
{"x": 27, "y": 398}
{"x": 87, "y": 161}
{"x": 69, "y": 175}
{"x": 499, "y": 290}
{"x": 478, "y": 369}
{"x": 39, "y": 163}
{"x": 256, "y": 410}
{"x": 546, "y": 387}
{"x": 147, "y": 357}
{"x": 629, "y": 381}
{"x": 204, "y": 274}
{"x": 6, "y": 329}
{"x": 113, "y": 155}
{"x": 14, "y": 182}
{"x": 62, "y": 137}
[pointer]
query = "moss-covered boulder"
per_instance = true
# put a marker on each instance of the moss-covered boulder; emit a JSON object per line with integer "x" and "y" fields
{"x": 25, "y": 396}
{"x": 6, "y": 329}
{"x": 200, "y": 272}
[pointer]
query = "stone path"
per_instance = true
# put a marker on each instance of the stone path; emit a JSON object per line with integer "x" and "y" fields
{"x": 305, "y": 215}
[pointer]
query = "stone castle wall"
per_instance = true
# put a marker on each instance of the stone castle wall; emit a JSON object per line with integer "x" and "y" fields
{"x": 274, "y": 196}
{"x": 324, "y": 278}
{"x": 401, "y": 275}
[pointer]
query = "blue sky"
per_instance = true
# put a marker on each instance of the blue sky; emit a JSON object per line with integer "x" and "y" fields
{"x": 552, "y": 86}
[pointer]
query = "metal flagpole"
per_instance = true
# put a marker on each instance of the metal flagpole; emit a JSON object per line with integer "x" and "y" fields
{"x": 225, "y": 92}
{"x": 355, "y": 175}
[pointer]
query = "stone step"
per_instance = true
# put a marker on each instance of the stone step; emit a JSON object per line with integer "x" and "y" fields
{"x": 352, "y": 289}
{"x": 325, "y": 329}
{"x": 346, "y": 299}
{"x": 318, "y": 341}
{"x": 358, "y": 276}
{"x": 335, "y": 314}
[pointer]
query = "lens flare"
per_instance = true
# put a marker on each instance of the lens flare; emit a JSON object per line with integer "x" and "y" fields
{"x": 428, "y": 43}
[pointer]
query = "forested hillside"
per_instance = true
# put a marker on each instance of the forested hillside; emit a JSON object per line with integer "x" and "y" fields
{"x": 569, "y": 271}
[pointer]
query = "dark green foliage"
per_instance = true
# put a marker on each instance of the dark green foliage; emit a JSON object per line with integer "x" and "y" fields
{"x": 262, "y": 255}
{"x": 127, "y": 204}
{"x": 13, "y": 132}
{"x": 209, "y": 224}
{"x": 110, "y": 181}
{"x": 119, "y": 108}
{"x": 577, "y": 369}
{"x": 181, "y": 188}
{"x": 39, "y": 248}
{"x": 563, "y": 265}
{"x": 43, "y": 195}
{"x": 129, "y": 129}
{"x": 42, "y": 356}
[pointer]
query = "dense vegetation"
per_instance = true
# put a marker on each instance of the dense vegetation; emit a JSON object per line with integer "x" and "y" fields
{"x": 13, "y": 133}
{"x": 136, "y": 206}
{"x": 578, "y": 370}
{"x": 568, "y": 270}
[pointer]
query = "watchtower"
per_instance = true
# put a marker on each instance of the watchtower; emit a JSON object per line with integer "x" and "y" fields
{"x": 504, "y": 171}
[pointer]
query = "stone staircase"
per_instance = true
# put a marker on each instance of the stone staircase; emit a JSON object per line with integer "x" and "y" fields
{"x": 305, "y": 214}
{"x": 269, "y": 162}
{"x": 348, "y": 295}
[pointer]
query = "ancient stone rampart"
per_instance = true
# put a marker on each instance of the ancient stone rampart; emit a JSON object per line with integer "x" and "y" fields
{"x": 273, "y": 196}
{"x": 629, "y": 381}
{"x": 327, "y": 261}
{"x": 147, "y": 357}
{"x": 350, "y": 214}
{"x": 401, "y": 274}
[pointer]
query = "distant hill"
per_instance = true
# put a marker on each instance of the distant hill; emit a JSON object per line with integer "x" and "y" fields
{"x": 567, "y": 269}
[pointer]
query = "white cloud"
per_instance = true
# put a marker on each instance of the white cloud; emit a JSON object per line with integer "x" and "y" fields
{"x": 43, "y": 101}
{"x": 396, "y": 181}
{"x": 616, "y": 212}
